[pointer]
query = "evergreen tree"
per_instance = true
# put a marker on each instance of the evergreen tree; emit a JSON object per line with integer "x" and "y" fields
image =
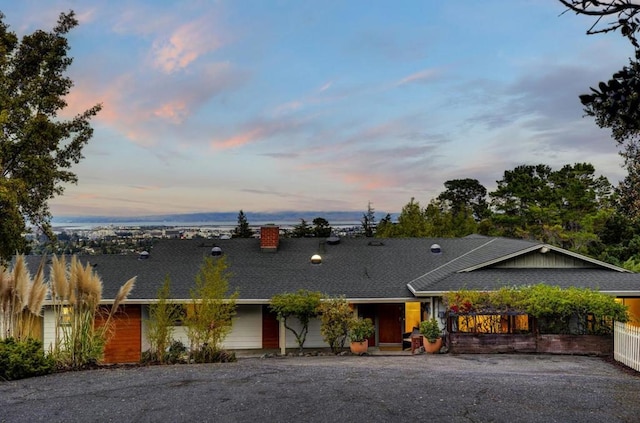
{"x": 369, "y": 221}
{"x": 242, "y": 230}
{"x": 302, "y": 229}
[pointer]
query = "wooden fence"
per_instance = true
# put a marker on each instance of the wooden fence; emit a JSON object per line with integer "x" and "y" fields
{"x": 626, "y": 345}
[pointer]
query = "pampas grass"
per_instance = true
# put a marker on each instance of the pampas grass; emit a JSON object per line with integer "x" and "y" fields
{"x": 76, "y": 296}
{"x": 21, "y": 300}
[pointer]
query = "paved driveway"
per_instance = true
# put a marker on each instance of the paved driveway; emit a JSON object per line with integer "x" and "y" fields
{"x": 436, "y": 388}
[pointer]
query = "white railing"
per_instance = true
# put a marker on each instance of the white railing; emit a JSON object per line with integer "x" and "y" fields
{"x": 626, "y": 345}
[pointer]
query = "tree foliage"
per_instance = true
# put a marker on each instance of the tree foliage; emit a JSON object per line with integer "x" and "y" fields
{"x": 615, "y": 104}
{"x": 209, "y": 320}
{"x": 242, "y": 230}
{"x": 465, "y": 196}
{"x": 335, "y": 315}
{"x": 302, "y": 229}
{"x": 321, "y": 227}
{"x": 37, "y": 146}
{"x": 557, "y": 207}
{"x": 369, "y": 221}
{"x": 570, "y": 310}
{"x": 163, "y": 315}
{"x": 302, "y": 305}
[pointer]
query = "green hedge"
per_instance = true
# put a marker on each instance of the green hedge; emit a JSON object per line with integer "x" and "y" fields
{"x": 22, "y": 359}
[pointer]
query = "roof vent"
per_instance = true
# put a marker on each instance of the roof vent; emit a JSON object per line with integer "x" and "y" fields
{"x": 333, "y": 240}
{"x": 216, "y": 251}
{"x": 435, "y": 249}
{"x": 316, "y": 259}
{"x": 375, "y": 243}
{"x": 143, "y": 255}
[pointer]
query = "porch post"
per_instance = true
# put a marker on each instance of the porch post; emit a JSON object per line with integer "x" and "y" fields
{"x": 283, "y": 338}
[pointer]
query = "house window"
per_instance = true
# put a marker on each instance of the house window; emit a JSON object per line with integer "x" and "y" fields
{"x": 490, "y": 323}
{"x": 65, "y": 315}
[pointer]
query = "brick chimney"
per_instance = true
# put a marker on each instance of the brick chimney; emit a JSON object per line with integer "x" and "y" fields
{"x": 269, "y": 238}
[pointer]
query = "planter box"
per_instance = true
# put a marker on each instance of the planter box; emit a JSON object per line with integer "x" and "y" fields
{"x": 576, "y": 344}
{"x": 487, "y": 343}
{"x": 465, "y": 343}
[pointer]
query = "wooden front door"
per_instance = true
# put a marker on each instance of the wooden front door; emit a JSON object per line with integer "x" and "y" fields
{"x": 270, "y": 329}
{"x": 390, "y": 323}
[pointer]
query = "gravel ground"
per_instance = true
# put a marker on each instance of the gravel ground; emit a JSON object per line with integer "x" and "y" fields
{"x": 437, "y": 388}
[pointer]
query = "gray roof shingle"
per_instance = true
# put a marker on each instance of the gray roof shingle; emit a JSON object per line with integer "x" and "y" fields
{"x": 355, "y": 268}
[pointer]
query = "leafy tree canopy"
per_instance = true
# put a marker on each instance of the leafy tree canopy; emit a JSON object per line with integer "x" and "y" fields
{"x": 302, "y": 305}
{"x": 321, "y": 227}
{"x": 37, "y": 147}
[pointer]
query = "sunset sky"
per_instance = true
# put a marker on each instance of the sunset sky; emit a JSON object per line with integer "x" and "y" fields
{"x": 321, "y": 105}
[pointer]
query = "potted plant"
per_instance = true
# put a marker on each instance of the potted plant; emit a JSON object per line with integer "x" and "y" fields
{"x": 359, "y": 331}
{"x": 432, "y": 340}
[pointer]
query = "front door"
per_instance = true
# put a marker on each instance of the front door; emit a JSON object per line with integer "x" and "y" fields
{"x": 390, "y": 323}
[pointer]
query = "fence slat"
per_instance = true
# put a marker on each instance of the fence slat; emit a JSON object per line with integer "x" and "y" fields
{"x": 626, "y": 345}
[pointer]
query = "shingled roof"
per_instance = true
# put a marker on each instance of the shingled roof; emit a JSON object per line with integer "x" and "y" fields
{"x": 361, "y": 269}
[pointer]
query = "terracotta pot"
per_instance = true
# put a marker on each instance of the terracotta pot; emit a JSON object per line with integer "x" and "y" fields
{"x": 432, "y": 347}
{"x": 359, "y": 347}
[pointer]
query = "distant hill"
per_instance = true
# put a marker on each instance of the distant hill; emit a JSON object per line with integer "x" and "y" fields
{"x": 254, "y": 218}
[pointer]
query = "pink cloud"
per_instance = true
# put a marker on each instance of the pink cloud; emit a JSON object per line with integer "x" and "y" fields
{"x": 174, "y": 111}
{"x": 420, "y": 77}
{"x": 239, "y": 140}
{"x": 256, "y": 133}
{"x": 186, "y": 44}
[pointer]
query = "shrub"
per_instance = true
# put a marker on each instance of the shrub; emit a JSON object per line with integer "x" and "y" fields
{"x": 360, "y": 329}
{"x": 159, "y": 327}
{"x": 335, "y": 315}
{"x": 210, "y": 317}
{"x": 571, "y": 310}
{"x": 22, "y": 359}
{"x": 176, "y": 353}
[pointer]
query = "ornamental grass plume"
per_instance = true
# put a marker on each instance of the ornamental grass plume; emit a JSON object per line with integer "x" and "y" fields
{"x": 81, "y": 333}
{"x": 21, "y": 300}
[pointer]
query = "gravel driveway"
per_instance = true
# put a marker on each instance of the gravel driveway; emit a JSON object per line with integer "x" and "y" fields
{"x": 437, "y": 388}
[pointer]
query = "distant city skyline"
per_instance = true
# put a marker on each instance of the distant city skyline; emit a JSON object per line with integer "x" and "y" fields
{"x": 268, "y": 106}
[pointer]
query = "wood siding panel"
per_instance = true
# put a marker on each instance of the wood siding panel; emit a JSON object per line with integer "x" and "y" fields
{"x": 550, "y": 260}
{"x": 125, "y": 344}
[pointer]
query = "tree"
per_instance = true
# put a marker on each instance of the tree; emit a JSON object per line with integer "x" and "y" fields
{"x": 623, "y": 13}
{"x": 37, "y": 147}
{"x": 385, "y": 228}
{"x": 560, "y": 207}
{"x": 302, "y": 229}
{"x": 411, "y": 222}
{"x": 443, "y": 222}
{"x": 615, "y": 104}
{"x": 159, "y": 327}
{"x": 242, "y": 230}
{"x": 369, "y": 221}
{"x": 465, "y": 195}
{"x": 321, "y": 227}
{"x": 212, "y": 308}
{"x": 303, "y": 305}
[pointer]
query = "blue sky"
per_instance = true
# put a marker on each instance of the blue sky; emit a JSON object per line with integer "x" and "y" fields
{"x": 321, "y": 105}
